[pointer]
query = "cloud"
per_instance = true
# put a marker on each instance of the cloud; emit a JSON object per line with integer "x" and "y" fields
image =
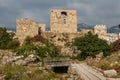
{"x": 89, "y": 11}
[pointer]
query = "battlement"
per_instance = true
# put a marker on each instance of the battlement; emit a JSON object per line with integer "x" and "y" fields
{"x": 100, "y": 29}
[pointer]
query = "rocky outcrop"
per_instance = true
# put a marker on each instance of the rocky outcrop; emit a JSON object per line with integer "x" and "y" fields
{"x": 9, "y": 58}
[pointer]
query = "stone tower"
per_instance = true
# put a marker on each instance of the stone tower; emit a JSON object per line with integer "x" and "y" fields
{"x": 27, "y": 27}
{"x": 63, "y": 21}
{"x": 101, "y": 31}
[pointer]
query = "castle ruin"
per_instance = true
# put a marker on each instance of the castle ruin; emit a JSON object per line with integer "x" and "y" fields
{"x": 63, "y": 21}
{"x": 63, "y": 28}
{"x": 27, "y": 27}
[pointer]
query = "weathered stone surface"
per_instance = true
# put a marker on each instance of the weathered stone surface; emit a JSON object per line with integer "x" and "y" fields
{"x": 27, "y": 27}
{"x": 15, "y": 58}
{"x": 6, "y": 59}
{"x": 21, "y": 62}
{"x": 110, "y": 73}
{"x": 99, "y": 57}
{"x": 85, "y": 72}
{"x": 63, "y": 21}
{"x": 31, "y": 58}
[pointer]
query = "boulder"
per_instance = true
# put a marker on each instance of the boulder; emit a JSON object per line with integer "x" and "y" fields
{"x": 99, "y": 57}
{"x": 6, "y": 60}
{"x": 21, "y": 62}
{"x": 31, "y": 58}
{"x": 15, "y": 58}
{"x": 110, "y": 73}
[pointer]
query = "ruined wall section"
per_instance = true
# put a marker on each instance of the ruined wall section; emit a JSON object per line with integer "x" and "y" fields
{"x": 63, "y": 21}
{"x": 60, "y": 39}
{"x": 27, "y": 27}
{"x": 101, "y": 31}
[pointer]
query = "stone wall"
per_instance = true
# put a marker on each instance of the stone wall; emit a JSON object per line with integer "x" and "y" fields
{"x": 63, "y": 21}
{"x": 26, "y": 27}
{"x": 59, "y": 39}
{"x": 101, "y": 31}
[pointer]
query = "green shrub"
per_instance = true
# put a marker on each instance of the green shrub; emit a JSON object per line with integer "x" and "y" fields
{"x": 90, "y": 45}
{"x": 38, "y": 72}
{"x": 5, "y": 38}
{"x": 28, "y": 40}
{"x": 13, "y": 44}
{"x": 25, "y": 49}
{"x": 38, "y": 38}
{"x": 116, "y": 45}
{"x": 8, "y": 76}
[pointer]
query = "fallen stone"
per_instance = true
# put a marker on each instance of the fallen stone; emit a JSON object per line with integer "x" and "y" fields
{"x": 21, "y": 62}
{"x": 15, "y": 58}
{"x": 110, "y": 73}
{"x": 31, "y": 58}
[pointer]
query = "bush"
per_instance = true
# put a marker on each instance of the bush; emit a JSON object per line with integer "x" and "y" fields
{"x": 28, "y": 40}
{"x": 90, "y": 45}
{"x": 13, "y": 44}
{"x": 25, "y": 49}
{"x": 8, "y": 76}
{"x": 38, "y": 38}
{"x": 5, "y": 38}
{"x": 116, "y": 45}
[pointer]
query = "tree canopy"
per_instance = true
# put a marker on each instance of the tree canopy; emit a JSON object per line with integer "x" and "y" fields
{"x": 6, "y": 39}
{"x": 90, "y": 45}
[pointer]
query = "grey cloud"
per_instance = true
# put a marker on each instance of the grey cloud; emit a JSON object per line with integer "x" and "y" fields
{"x": 89, "y": 11}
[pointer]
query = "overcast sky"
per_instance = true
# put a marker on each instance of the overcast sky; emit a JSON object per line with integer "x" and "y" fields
{"x": 89, "y": 11}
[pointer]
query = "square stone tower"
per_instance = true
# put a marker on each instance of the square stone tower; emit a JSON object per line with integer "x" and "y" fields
{"x": 63, "y": 21}
{"x": 27, "y": 27}
{"x": 101, "y": 31}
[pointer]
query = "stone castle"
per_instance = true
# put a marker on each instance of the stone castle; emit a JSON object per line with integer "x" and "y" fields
{"x": 63, "y": 21}
{"x": 27, "y": 27}
{"x": 63, "y": 28}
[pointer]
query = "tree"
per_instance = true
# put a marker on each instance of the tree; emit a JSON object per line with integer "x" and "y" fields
{"x": 90, "y": 45}
{"x": 5, "y": 37}
{"x": 13, "y": 44}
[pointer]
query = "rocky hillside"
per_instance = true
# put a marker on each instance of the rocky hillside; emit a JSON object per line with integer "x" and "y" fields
{"x": 114, "y": 29}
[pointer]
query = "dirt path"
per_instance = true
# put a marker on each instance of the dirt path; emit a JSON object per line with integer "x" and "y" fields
{"x": 87, "y": 73}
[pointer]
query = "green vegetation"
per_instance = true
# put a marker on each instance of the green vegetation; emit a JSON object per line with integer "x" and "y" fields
{"x": 28, "y": 40}
{"x": 90, "y": 45}
{"x": 13, "y": 44}
{"x": 6, "y": 39}
{"x": 44, "y": 49}
{"x": 18, "y": 72}
{"x": 116, "y": 45}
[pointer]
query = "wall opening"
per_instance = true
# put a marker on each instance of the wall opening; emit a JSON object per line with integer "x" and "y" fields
{"x": 39, "y": 30}
{"x": 64, "y": 21}
{"x": 60, "y": 69}
{"x": 63, "y": 14}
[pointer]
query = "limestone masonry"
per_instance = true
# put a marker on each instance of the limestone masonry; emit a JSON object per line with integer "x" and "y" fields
{"x": 27, "y": 27}
{"x": 63, "y": 21}
{"x": 63, "y": 28}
